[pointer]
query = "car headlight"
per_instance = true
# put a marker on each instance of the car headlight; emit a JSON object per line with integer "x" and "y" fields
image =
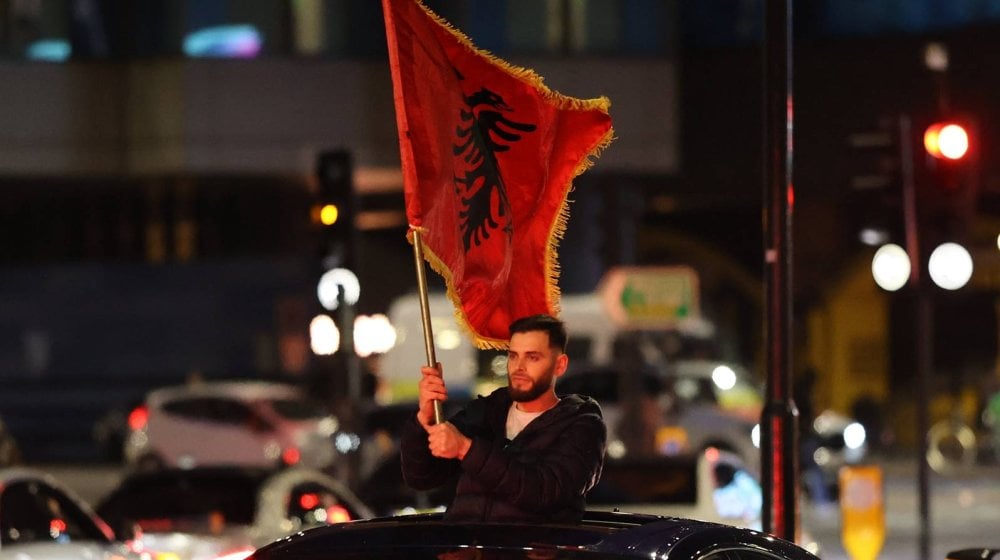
{"x": 854, "y": 435}
{"x": 346, "y": 442}
{"x": 328, "y": 426}
{"x": 755, "y": 435}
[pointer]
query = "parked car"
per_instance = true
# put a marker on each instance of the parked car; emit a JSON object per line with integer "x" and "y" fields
{"x": 10, "y": 453}
{"x": 252, "y": 423}
{"x": 212, "y": 513}
{"x": 717, "y": 393}
{"x": 601, "y": 535}
{"x": 40, "y": 519}
{"x": 710, "y": 486}
{"x": 716, "y": 383}
{"x": 653, "y": 420}
{"x": 831, "y": 441}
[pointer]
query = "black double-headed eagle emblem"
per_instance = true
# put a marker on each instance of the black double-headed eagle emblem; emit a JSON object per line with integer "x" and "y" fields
{"x": 482, "y": 133}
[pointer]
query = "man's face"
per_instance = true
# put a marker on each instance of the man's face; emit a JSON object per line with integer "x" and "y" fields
{"x": 532, "y": 365}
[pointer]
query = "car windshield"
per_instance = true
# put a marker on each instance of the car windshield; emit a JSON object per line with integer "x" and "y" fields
{"x": 646, "y": 481}
{"x": 195, "y": 504}
{"x": 605, "y": 385}
{"x": 34, "y": 512}
{"x": 297, "y": 409}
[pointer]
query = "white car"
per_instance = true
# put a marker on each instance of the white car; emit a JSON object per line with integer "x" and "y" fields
{"x": 645, "y": 417}
{"x": 224, "y": 513}
{"x": 829, "y": 443}
{"x": 717, "y": 383}
{"x": 40, "y": 519}
{"x": 252, "y": 423}
{"x": 711, "y": 486}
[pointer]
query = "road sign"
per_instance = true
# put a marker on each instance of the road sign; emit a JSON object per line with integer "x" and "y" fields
{"x": 650, "y": 297}
{"x": 862, "y": 511}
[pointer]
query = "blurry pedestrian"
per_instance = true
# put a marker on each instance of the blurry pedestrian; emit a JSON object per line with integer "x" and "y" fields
{"x": 812, "y": 473}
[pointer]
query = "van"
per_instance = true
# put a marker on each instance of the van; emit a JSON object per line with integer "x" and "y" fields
{"x": 592, "y": 335}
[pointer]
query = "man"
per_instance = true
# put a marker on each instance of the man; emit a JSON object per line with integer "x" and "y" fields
{"x": 522, "y": 453}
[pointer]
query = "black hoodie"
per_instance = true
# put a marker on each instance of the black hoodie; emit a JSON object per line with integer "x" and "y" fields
{"x": 543, "y": 474}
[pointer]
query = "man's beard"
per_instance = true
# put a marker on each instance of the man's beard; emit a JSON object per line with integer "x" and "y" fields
{"x": 537, "y": 388}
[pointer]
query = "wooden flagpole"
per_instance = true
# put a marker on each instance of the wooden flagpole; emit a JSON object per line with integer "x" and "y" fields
{"x": 425, "y": 311}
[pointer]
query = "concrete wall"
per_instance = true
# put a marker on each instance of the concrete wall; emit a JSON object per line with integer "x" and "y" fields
{"x": 274, "y": 115}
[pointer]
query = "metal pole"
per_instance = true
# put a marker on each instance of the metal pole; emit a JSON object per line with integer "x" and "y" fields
{"x": 425, "y": 311}
{"x": 346, "y": 314}
{"x": 924, "y": 333}
{"x": 925, "y": 356}
{"x": 779, "y": 419}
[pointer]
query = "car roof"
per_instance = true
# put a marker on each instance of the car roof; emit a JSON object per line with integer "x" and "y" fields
{"x": 233, "y": 489}
{"x": 600, "y": 534}
{"x": 207, "y": 472}
{"x": 237, "y": 491}
{"x": 14, "y": 475}
{"x": 10, "y": 475}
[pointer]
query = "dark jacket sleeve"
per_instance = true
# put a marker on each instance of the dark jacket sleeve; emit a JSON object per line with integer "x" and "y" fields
{"x": 421, "y": 470}
{"x": 561, "y": 474}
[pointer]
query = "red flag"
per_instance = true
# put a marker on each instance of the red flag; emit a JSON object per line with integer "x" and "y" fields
{"x": 489, "y": 154}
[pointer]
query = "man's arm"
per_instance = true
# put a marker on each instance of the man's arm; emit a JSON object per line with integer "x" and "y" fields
{"x": 421, "y": 470}
{"x": 564, "y": 470}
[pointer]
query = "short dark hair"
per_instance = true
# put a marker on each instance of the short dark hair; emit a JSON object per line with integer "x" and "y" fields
{"x": 555, "y": 328}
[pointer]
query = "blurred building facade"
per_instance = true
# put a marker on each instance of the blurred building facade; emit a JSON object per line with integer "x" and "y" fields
{"x": 157, "y": 158}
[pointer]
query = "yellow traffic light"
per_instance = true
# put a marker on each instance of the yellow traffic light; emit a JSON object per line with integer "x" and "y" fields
{"x": 328, "y": 214}
{"x": 946, "y": 140}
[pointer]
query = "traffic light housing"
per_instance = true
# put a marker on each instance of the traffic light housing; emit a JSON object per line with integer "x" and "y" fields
{"x": 876, "y": 164}
{"x": 946, "y": 141}
{"x": 948, "y": 181}
{"x": 334, "y": 209}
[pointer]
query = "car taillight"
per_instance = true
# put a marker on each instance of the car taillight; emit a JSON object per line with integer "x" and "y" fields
{"x": 337, "y": 514}
{"x": 57, "y": 527}
{"x": 138, "y": 417}
{"x": 308, "y": 501}
{"x": 291, "y": 456}
{"x": 712, "y": 454}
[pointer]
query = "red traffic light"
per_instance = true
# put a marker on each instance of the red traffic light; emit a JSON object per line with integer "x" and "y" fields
{"x": 946, "y": 140}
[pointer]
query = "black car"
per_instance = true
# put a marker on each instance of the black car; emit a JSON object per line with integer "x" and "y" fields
{"x": 601, "y": 535}
{"x": 211, "y": 512}
{"x": 974, "y": 554}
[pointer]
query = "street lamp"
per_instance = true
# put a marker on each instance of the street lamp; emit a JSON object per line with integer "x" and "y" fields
{"x": 330, "y": 285}
{"x": 950, "y": 266}
{"x": 891, "y": 267}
